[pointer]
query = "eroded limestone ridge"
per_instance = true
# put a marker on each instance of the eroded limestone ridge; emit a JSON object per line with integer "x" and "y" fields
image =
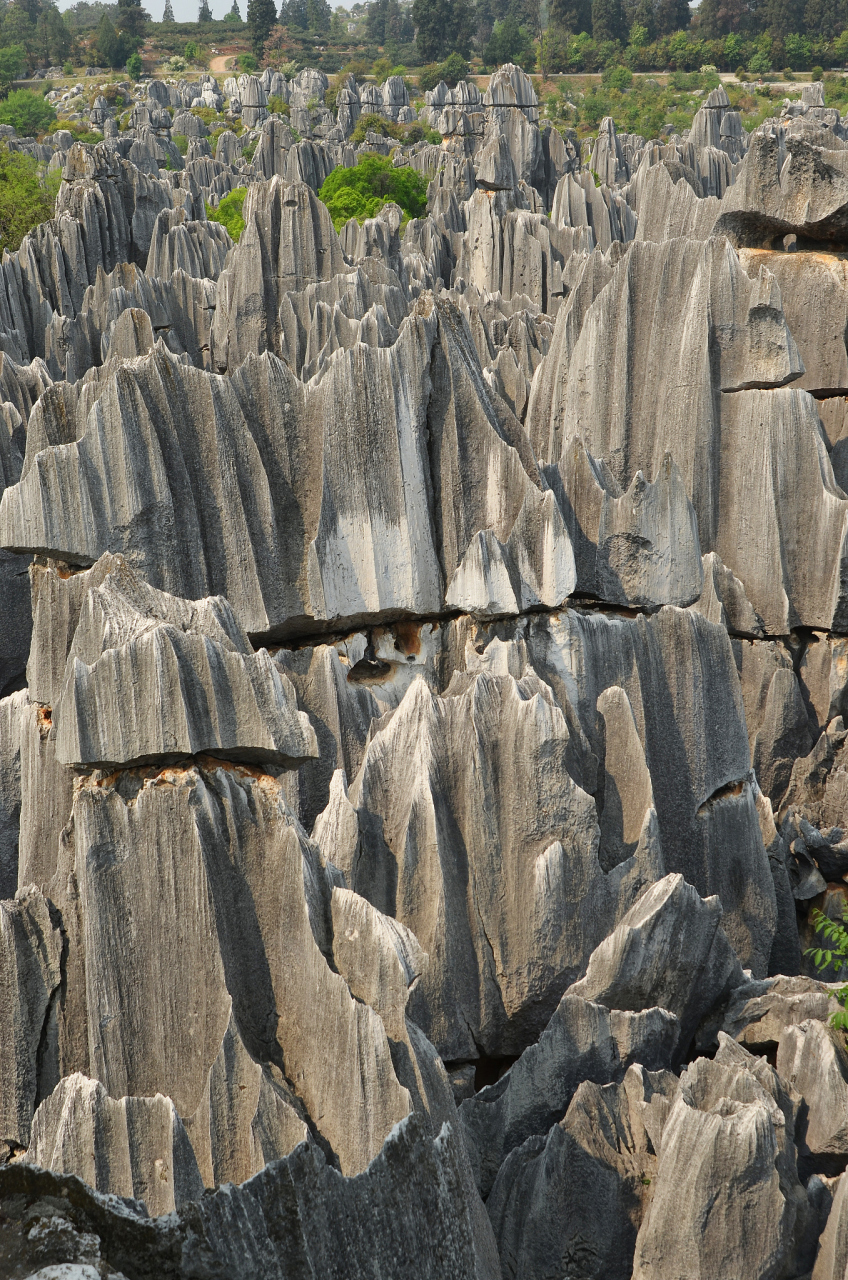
{"x": 424, "y": 665}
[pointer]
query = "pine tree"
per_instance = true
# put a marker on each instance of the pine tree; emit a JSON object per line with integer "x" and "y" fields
{"x": 168, "y": 12}
{"x": 261, "y": 17}
{"x": 132, "y": 19}
{"x": 571, "y": 15}
{"x": 442, "y": 27}
{"x": 235, "y": 12}
{"x": 318, "y": 15}
{"x": 608, "y": 21}
{"x": 293, "y": 13}
{"x": 204, "y": 13}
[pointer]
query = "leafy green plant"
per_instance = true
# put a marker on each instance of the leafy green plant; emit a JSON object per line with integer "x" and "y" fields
{"x": 134, "y": 66}
{"x": 817, "y": 73}
{"x": 27, "y": 196}
{"x": 12, "y": 63}
{"x": 250, "y": 150}
{"x": 229, "y": 212}
{"x": 27, "y": 112}
{"x": 190, "y": 50}
{"x": 247, "y": 63}
{"x": 79, "y": 131}
{"x": 834, "y": 932}
{"x": 617, "y": 78}
{"x": 361, "y": 192}
{"x": 68, "y": 69}
{"x": 277, "y": 106}
{"x": 375, "y": 124}
{"x": 180, "y": 141}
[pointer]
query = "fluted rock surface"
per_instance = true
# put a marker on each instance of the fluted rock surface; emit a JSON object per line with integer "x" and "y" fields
{"x": 423, "y": 695}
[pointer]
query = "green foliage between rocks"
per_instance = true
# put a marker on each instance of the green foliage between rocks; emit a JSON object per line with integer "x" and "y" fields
{"x": 836, "y": 954}
{"x": 27, "y": 196}
{"x": 361, "y": 192}
{"x": 229, "y": 212}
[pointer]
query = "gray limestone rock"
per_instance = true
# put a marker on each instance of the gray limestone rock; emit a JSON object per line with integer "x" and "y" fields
{"x": 727, "y": 1198}
{"x": 196, "y": 685}
{"x": 757, "y": 1014}
{"x": 134, "y": 1147}
{"x": 410, "y": 1210}
{"x": 578, "y": 1195}
{"x": 30, "y": 974}
{"x": 668, "y": 950}
{"x": 583, "y": 1041}
{"x": 811, "y": 1056}
{"x": 832, "y": 1256}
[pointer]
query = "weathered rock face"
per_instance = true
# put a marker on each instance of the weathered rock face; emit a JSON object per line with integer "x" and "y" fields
{"x": 501, "y": 550}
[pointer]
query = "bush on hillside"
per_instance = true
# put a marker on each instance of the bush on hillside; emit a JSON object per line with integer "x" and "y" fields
{"x": 27, "y": 112}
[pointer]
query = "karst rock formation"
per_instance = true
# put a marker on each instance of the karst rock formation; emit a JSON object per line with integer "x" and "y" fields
{"x": 424, "y": 672}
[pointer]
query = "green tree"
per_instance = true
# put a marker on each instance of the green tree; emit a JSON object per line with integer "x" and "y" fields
{"x": 261, "y": 17}
{"x": 608, "y": 21}
{"x": 442, "y": 26}
{"x": 782, "y": 17}
{"x": 361, "y": 192}
{"x": 54, "y": 38}
{"x": 571, "y": 15}
{"x": 799, "y": 52}
{"x": 19, "y": 29}
{"x": 825, "y": 18}
{"x": 671, "y": 16}
{"x": 318, "y": 16}
{"x": 168, "y": 12}
{"x": 131, "y": 20}
{"x": 509, "y": 43}
{"x": 27, "y": 196}
{"x": 204, "y": 13}
{"x": 12, "y": 63}
{"x": 27, "y": 112}
{"x": 235, "y": 14}
{"x": 294, "y": 14}
{"x": 134, "y": 66}
{"x": 111, "y": 48}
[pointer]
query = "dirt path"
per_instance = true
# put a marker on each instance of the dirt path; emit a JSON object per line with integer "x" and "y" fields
{"x": 219, "y": 63}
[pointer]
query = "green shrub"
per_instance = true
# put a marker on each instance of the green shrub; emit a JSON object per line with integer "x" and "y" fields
{"x": 68, "y": 69}
{"x": 247, "y": 63}
{"x": 740, "y": 73}
{"x": 277, "y": 105}
{"x": 180, "y": 141}
{"x": 12, "y": 63}
{"x": 229, "y": 212}
{"x": 836, "y": 954}
{"x": 134, "y": 66}
{"x": 361, "y": 192}
{"x": 376, "y": 124}
{"x": 617, "y": 78}
{"x": 27, "y": 196}
{"x": 80, "y": 132}
{"x": 817, "y": 73}
{"x": 27, "y": 112}
{"x": 250, "y": 150}
{"x": 190, "y": 50}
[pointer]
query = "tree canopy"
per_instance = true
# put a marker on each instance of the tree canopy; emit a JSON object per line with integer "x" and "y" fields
{"x": 361, "y": 192}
